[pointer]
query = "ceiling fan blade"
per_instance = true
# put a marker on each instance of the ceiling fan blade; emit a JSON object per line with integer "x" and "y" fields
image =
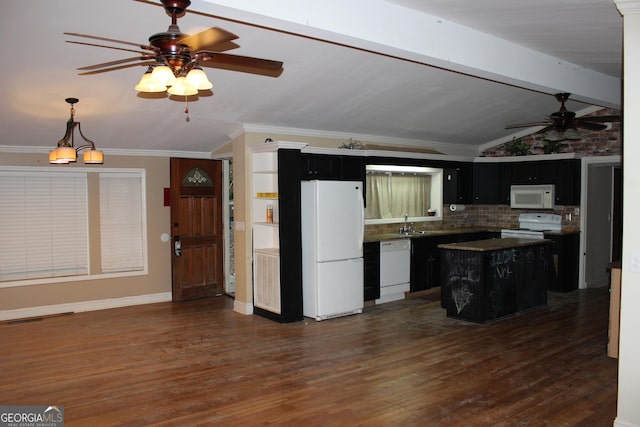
{"x": 105, "y": 39}
{"x": 601, "y": 119}
{"x": 589, "y": 125}
{"x": 104, "y": 70}
{"x": 117, "y": 62}
{"x": 245, "y": 64}
{"x": 109, "y": 47}
{"x": 527, "y": 125}
{"x": 208, "y": 39}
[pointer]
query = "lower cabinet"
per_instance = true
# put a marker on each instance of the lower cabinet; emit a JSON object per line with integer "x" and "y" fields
{"x": 565, "y": 251}
{"x": 371, "y": 271}
{"x": 426, "y": 258}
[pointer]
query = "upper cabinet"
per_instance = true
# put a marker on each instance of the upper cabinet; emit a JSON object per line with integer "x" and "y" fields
{"x": 486, "y": 182}
{"x": 456, "y": 184}
{"x": 332, "y": 167}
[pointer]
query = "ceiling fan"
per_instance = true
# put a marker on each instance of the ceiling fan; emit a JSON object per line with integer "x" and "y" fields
{"x": 182, "y": 54}
{"x": 563, "y": 124}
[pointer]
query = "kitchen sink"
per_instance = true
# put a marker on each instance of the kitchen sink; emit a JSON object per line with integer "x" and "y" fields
{"x": 412, "y": 233}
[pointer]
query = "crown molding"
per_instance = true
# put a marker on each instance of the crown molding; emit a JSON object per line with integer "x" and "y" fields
{"x": 628, "y": 6}
{"x": 471, "y": 149}
{"x": 113, "y": 152}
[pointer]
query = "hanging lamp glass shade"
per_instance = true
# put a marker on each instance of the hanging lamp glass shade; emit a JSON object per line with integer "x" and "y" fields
{"x": 95, "y": 157}
{"x": 67, "y": 154}
{"x": 182, "y": 87}
{"x": 148, "y": 84}
{"x": 53, "y": 159}
{"x": 162, "y": 75}
{"x": 198, "y": 79}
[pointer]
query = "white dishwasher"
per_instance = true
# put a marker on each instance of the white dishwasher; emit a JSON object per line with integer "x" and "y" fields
{"x": 395, "y": 269}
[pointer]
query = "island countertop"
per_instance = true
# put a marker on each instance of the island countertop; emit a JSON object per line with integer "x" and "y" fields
{"x": 493, "y": 244}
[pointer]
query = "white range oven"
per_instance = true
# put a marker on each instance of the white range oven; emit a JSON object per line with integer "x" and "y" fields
{"x": 533, "y": 226}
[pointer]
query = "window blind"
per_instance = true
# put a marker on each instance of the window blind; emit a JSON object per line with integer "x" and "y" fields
{"x": 43, "y": 225}
{"x": 121, "y": 222}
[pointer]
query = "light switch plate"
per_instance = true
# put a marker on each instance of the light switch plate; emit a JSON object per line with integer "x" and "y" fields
{"x": 635, "y": 262}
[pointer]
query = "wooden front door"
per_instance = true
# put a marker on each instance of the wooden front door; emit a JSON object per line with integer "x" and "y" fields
{"x": 196, "y": 228}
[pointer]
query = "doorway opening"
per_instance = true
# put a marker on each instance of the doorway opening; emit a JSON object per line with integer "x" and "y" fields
{"x": 228, "y": 221}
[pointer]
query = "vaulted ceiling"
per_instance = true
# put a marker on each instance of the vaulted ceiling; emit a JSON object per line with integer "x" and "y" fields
{"x": 443, "y": 74}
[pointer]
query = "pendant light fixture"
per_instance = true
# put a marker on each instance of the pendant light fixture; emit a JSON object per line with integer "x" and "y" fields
{"x": 66, "y": 151}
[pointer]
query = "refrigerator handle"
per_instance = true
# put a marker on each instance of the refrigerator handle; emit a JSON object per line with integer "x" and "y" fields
{"x": 361, "y": 203}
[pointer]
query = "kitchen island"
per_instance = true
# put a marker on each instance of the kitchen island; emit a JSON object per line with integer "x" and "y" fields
{"x": 486, "y": 280}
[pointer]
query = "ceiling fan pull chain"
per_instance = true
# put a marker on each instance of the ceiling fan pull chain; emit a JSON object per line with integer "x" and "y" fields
{"x": 186, "y": 108}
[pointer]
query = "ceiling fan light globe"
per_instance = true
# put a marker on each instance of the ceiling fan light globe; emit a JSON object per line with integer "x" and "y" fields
{"x": 148, "y": 84}
{"x": 198, "y": 79}
{"x": 162, "y": 75}
{"x": 553, "y": 135}
{"x": 182, "y": 87}
{"x": 572, "y": 134}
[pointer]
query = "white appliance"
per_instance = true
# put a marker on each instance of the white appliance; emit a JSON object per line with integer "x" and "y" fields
{"x": 395, "y": 269}
{"x": 533, "y": 196}
{"x": 332, "y": 235}
{"x": 533, "y": 226}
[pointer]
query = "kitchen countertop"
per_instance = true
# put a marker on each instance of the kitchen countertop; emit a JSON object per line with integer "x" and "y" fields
{"x": 379, "y": 237}
{"x": 493, "y": 244}
{"x": 420, "y": 234}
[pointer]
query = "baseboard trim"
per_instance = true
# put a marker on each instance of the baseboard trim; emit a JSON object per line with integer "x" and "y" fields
{"x": 78, "y": 307}
{"x": 242, "y": 307}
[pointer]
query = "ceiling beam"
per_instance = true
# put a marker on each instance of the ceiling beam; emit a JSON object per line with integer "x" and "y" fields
{"x": 388, "y": 29}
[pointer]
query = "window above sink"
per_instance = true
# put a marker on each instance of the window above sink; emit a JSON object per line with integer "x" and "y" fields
{"x": 395, "y": 191}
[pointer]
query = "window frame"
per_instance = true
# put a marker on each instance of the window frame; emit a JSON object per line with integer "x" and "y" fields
{"x": 93, "y": 215}
{"x": 436, "y": 191}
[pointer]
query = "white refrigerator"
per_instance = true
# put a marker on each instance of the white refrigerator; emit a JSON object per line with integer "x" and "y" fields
{"x": 332, "y": 235}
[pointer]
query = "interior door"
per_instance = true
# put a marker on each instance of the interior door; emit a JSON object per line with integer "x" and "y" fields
{"x": 196, "y": 228}
{"x": 598, "y": 225}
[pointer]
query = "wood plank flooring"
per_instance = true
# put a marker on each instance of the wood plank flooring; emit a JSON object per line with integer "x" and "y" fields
{"x": 402, "y": 363}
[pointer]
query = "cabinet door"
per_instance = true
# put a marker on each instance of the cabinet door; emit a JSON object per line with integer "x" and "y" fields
{"x": 352, "y": 168}
{"x": 568, "y": 182}
{"x": 456, "y": 187}
{"x": 320, "y": 166}
{"x": 371, "y": 270}
{"x": 522, "y": 173}
{"x": 504, "y": 184}
{"x": 546, "y": 171}
{"x": 425, "y": 263}
{"x": 566, "y": 257}
{"x": 486, "y": 181}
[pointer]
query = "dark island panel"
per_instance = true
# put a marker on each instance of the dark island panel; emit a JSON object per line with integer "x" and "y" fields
{"x": 503, "y": 278}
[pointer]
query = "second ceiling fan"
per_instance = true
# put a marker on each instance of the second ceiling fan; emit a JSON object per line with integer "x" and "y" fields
{"x": 563, "y": 124}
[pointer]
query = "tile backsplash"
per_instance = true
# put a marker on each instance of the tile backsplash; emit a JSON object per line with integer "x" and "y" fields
{"x": 479, "y": 216}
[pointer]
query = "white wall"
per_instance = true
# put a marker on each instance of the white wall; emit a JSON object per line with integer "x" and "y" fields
{"x": 629, "y": 361}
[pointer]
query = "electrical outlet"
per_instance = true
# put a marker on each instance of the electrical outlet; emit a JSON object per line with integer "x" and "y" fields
{"x": 635, "y": 262}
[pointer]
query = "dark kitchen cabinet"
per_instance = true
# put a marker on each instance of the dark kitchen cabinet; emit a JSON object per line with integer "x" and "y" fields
{"x": 330, "y": 167}
{"x": 426, "y": 257}
{"x": 425, "y": 263}
{"x": 320, "y": 166}
{"x": 486, "y": 183}
{"x": 564, "y": 174}
{"x": 504, "y": 183}
{"x": 352, "y": 168}
{"x": 568, "y": 181}
{"x": 457, "y": 184}
{"x": 565, "y": 252}
{"x": 535, "y": 172}
{"x": 371, "y": 270}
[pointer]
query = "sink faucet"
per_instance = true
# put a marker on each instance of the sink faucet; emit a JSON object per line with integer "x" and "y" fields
{"x": 406, "y": 228}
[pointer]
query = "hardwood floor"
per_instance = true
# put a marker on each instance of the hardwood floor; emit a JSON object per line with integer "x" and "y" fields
{"x": 401, "y": 363}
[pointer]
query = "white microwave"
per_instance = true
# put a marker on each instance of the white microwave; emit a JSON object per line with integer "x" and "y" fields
{"x": 533, "y": 196}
